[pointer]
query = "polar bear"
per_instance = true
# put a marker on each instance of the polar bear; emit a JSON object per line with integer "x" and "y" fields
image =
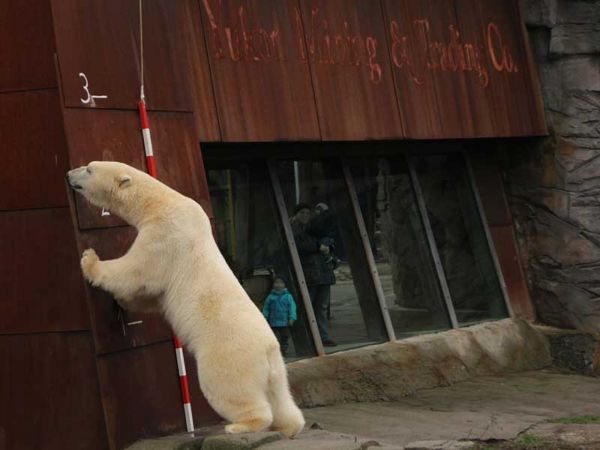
{"x": 174, "y": 266}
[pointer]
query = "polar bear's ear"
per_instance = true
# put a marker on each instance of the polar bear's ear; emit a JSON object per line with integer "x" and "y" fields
{"x": 124, "y": 180}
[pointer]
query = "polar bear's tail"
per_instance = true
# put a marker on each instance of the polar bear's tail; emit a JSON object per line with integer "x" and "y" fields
{"x": 287, "y": 417}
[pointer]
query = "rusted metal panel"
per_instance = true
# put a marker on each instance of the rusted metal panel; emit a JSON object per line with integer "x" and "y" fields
{"x": 201, "y": 88}
{"x": 461, "y": 69}
{"x": 348, "y": 55}
{"x": 489, "y": 119}
{"x": 115, "y": 136}
{"x": 33, "y": 147}
{"x": 506, "y": 103}
{"x": 100, "y": 39}
{"x": 415, "y": 86}
{"x": 26, "y": 46}
{"x": 536, "y": 98}
{"x": 113, "y": 328}
{"x": 450, "y": 83}
{"x": 50, "y": 381}
{"x": 511, "y": 66}
{"x": 141, "y": 396}
{"x": 489, "y": 96}
{"x": 41, "y": 286}
{"x": 178, "y": 157}
{"x": 512, "y": 271}
{"x": 428, "y": 77}
{"x": 260, "y": 72}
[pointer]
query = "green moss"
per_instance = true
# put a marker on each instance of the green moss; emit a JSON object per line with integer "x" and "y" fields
{"x": 530, "y": 440}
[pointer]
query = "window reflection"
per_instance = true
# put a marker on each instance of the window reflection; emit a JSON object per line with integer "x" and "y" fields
{"x": 398, "y": 240}
{"x": 339, "y": 277}
{"x": 251, "y": 239}
{"x": 460, "y": 238}
{"x": 331, "y": 254}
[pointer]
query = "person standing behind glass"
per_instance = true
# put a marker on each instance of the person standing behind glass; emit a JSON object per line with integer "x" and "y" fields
{"x": 280, "y": 311}
{"x": 317, "y": 262}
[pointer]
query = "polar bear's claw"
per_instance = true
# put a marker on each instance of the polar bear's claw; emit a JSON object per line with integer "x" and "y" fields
{"x": 88, "y": 259}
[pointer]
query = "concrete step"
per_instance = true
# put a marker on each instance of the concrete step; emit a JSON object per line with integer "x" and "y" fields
{"x": 311, "y": 439}
{"x": 390, "y": 371}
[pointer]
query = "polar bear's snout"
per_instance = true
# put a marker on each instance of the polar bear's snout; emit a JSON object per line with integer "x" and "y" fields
{"x": 75, "y": 177}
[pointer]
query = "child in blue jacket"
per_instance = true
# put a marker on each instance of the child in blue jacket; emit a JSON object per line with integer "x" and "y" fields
{"x": 280, "y": 311}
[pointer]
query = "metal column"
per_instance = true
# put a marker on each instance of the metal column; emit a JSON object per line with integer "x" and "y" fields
{"x": 432, "y": 245}
{"x": 297, "y": 267}
{"x": 488, "y": 235}
{"x": 368, "y": 251}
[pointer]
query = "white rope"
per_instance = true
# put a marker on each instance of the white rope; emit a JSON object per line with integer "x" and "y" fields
{"x": 142, "y": 96}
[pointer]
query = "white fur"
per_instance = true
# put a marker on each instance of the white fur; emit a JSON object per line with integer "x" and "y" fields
{"x": 174, "y": 266}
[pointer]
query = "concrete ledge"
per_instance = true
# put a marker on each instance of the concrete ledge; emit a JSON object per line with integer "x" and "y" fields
{"x": 309, "y": 439}
{"x": 210, "y": 438}
{"x": 393, "y": 370}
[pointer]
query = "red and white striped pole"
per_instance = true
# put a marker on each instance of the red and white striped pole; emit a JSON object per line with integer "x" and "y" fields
{"x": 148, "y": 150}
{"x": 183, "y": 379}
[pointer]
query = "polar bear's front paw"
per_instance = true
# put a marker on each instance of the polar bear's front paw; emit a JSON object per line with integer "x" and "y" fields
{"x": 89, "y": 259}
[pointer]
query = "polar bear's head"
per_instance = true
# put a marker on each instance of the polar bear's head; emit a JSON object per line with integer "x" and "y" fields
{"x": 107, "y": 184}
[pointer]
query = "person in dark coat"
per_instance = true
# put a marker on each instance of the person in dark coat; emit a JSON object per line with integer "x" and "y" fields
{"x": 318, "y": 262}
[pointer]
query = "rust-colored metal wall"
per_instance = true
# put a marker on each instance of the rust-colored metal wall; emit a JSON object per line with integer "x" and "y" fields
{"x": 358, "y": 70}
{"x": 48, "y": 377}
{"x": 351, "y": 73}
{"x": 489, "y": 184}
{"x": 50, "y": 393}
{"x": 262, "y": 84}
{"x": 137, "y": 374}
{"x": 68, "y": 367}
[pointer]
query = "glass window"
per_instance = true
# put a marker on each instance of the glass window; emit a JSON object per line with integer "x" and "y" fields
{"x": 332, "y": 255}
{"x": 403, "y": 257}
{"x": 460, "y": 238}
{"x": 251, "y": 239}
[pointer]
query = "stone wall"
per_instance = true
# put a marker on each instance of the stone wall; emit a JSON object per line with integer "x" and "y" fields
{"x": 554, "y": 184}
{"x": 390, "y": 371}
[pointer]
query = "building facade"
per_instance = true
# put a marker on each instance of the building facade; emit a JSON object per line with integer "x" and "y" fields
{"x": 351, "y": 148}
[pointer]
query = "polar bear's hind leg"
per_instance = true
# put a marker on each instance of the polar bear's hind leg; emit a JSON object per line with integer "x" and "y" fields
{"x": 287, "y": 417}
{"x": 258, "y": 418}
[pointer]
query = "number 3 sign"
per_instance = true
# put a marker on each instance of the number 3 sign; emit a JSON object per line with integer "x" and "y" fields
{"x": 89, "y": 99}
